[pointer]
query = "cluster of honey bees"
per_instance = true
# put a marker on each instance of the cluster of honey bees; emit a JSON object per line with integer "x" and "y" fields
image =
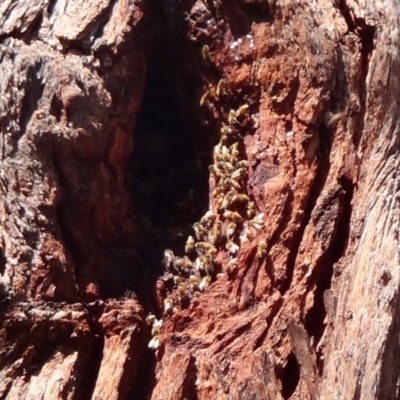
{"x": 231, "y": 222}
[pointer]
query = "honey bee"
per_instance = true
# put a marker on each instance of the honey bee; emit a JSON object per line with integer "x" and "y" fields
{"x": 233, "y": 216}
{"x": 232, "y": 117}
{"x": 241, "y": 110}
{"x": 205, "y": 52}
{"x": 156, "y": 327}
{"x": 207, "y": 219}
{"x": 226, "y": 130}
{"x": 154, "y": 343}
{"x": 189, "y": 247}
{"x": 333, "y": 119}
{"x": 239, "y": 174}
{"x": 205, "y": 283}
{"x": 239, "y": 198}
{"x": 194, "y": 282}
{"x": 244, "y": 237}
{"x": 218, "y": 203}
{"x": 178, "y": 263}
{"x": 199, "y": 264}
{"x": 231, "y": 265}
{"x": 203, "y": 247}
{"x": 227, "y": 201}
{"x": 233, "y": 183}
{"x": 181, "y": 292}
{"x": 177, "y": 280}
{"x": 225, "y": 166}
{"x": 251, "y": 210}
{"x": 216, "y": 172}
{"x": 261, "y": 249}
{"x": 204, "y": 99}
{"x": 243, "y": 164}
{"x": 209, "y": 266}
{"x": 232, "y": 247}
{"x": 230, "y": 230}
{"x": 168, "y": 258}
{"x": 214, "y": 234}
{"x": 257, "y": 222}
{"x": 198, "y": 230}
{"x": 220, "y": 88}
{"x": 150, "y": 319}
{"x": 168, "y": 304}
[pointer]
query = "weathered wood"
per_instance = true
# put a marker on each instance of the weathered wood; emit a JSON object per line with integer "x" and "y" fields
{"x": 314, "y": 314}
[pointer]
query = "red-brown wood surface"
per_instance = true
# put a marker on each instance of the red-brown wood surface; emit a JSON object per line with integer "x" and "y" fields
{"x": 308, "y": 308}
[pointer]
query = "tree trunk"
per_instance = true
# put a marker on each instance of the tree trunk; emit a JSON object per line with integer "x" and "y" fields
{"x": 112, "y": 115}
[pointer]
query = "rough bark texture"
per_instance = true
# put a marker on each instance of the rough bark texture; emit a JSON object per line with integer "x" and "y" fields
{"x": 310, "y": 308}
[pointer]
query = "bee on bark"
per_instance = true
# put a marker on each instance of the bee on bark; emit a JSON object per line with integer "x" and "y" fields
{"x": 231, "y": 265}
{"x": 231, "y": 229}
{"x": 168, "y": 304}
{"x": 199, "y": 264}
{"x": 332, "y": 120}
{"x": 214, "y": 235}
{"x": 199, "y": 230}
{"x": 209, "y": 266}
{"x": 203, "y": 247}
{"x": 244, "y": 237}
{"x": 150, "y": 319}
{"x": 261, "y": 249}
{"x": 189, "y": 247}
{"x": 257, "y": 222}
{"x": 233, "y": 216}
{"x": 232, "y": 117}
{"x": 154, "y": 343}
{"x": 226, "y": 130}
{"x": 232, "y": 247}
{"x": 240, "y": 198}
{"x": 204, "y": 101}
{"x": 251, "y": 210}
{"x": 168, "y": 258}
{"x": 205, "y": 53}
{"x": 242, "y": 110}
{"x": 243, "y": 164}
{"x": 177, "y": 280}
{"x": 220, "y": 88}
{"x": 239, "y": 174}
{"x": 205, "y": 283}
{"x": 181, "y": 292}
{"x": 194, "y": 282}
{"x": 207, "y": 219}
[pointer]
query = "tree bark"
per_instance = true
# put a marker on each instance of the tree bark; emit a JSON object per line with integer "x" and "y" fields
{"x": 100, "y": 98}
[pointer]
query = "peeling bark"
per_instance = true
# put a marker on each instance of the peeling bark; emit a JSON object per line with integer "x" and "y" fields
{"x": 99, "y": 108}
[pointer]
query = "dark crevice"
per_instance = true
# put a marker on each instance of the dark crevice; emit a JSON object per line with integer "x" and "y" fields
{"x": 314, "y": 320}
{"x": 33, "y": 93}
{"x": 390, "y": 369}
{"x": 289, "y": 376}
{"x": 367, "y": 34}
{"x": 347, "y": 15}
{"x": 340, "y": 242}
{"x": 3, "y": 262}
{"x": 173, "y": 142}
{"x": 50, "y": 7}
{"x": 189, "y": 390}
{"x": 97, "y": 334}
{"x": 319, "y": 183}
{"x": 146, "y": 378}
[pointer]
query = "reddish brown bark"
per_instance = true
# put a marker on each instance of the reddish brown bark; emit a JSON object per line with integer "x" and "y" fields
{"x": 100, "y": 104}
